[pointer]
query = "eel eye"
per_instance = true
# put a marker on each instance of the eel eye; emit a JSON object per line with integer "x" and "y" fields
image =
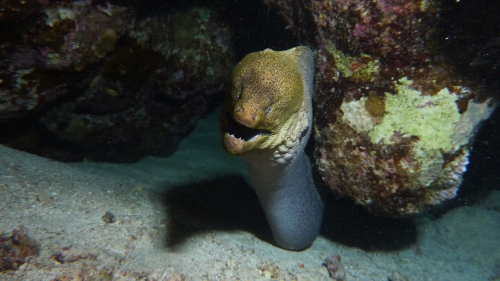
{"x": 269, "y": 109}
{"x": 238, "y": 95}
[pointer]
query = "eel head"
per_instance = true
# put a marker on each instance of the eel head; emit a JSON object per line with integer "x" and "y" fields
{"x": 266, "y": 91}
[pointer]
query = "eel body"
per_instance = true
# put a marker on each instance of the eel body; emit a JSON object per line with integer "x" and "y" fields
{"x": 266, "y": 119}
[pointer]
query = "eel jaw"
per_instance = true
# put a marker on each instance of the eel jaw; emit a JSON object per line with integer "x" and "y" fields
{"x": 238, "y": 139}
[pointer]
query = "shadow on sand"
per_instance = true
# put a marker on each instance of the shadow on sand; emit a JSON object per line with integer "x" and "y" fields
{"x": 228, "y": 203}
{"x": 220, "y": 204}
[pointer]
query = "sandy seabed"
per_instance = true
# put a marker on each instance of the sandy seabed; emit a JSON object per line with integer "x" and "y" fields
{"x": 193, "y": 216}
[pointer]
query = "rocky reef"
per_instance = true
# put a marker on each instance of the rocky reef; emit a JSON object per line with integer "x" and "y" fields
{"x": 395, "y": 117}
{"x": 106, "y": 81}
{"x": 401, "y": 86}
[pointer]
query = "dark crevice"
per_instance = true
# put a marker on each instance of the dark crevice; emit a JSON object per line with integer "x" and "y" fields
{"x": 468, "y": 37}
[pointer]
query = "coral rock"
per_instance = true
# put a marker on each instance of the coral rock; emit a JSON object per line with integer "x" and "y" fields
{"x": 106, "y": 84}
{"x": 394, "y": 119}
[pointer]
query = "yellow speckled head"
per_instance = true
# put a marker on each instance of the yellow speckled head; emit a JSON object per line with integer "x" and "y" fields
{"x": 266, "y": 88}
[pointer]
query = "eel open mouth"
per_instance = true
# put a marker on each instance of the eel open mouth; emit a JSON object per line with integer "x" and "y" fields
{"x": 239, "y": 131}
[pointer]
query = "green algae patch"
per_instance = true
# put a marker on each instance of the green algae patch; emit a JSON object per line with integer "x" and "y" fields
{"x": 342, "y": 61}
{"x": 365, "y": 71}
{"x": 54, "y": 58}
{"x": 401, "y": 152}
{"x": 430, "y": 118}
{"x": 362, "y": 69}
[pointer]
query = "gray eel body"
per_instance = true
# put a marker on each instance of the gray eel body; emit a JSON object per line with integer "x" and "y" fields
{"x": 290, "y": 201}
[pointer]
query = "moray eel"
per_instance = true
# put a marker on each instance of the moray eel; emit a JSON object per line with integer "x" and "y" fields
{"x": 266, "y": 119}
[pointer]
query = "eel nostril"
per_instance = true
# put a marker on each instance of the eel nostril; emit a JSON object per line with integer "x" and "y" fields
{"x": 239, "y": 109}
{"x": 254, "y": 116}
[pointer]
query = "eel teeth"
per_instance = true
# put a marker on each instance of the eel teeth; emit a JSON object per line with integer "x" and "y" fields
{"x": 241, "y": 132}
{"x": 236, "y": 137}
